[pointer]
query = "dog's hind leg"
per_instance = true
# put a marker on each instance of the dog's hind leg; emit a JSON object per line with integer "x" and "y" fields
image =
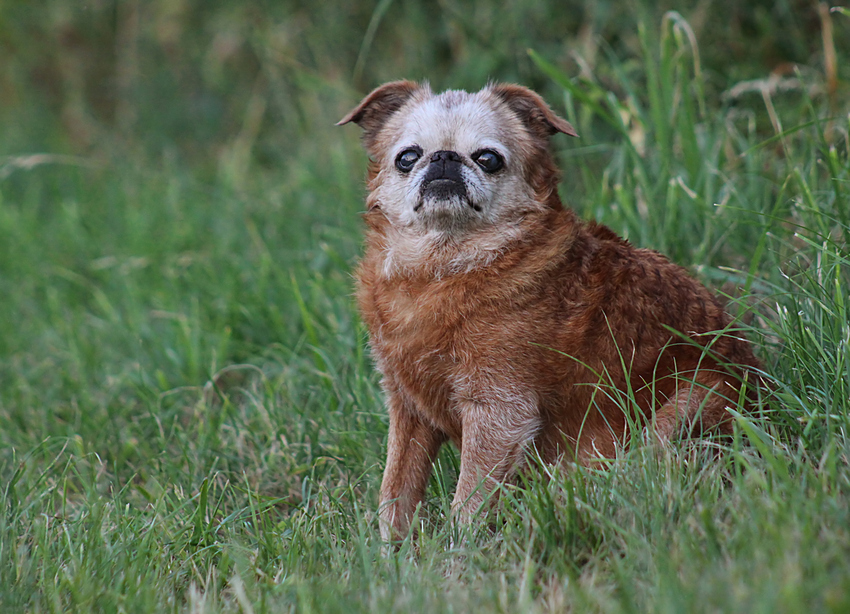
{"x": 699, "y": 405}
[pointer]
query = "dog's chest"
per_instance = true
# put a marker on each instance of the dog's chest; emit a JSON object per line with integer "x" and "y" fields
{"x": 422, "y": 338}
{"x": 420, "y": 328}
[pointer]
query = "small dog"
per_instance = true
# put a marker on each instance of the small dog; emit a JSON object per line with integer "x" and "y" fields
{"x": 502, "y": 322}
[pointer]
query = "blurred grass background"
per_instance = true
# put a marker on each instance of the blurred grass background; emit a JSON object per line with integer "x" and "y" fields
{"x": 189, "y": 419}
{"x": 221, "y": 83}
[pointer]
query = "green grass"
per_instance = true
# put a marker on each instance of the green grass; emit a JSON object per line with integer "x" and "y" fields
{"x": 189, "y": 418}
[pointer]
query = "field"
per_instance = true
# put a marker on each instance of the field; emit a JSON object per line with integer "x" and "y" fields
{"x": 189, "y": 416}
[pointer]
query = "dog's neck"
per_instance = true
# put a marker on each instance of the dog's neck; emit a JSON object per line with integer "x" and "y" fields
{"x": 408, "y": 253}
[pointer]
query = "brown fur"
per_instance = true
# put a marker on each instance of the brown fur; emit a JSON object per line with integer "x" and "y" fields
{"x": 534, "y": 340}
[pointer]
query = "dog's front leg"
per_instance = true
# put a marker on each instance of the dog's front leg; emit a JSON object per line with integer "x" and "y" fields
{"x": 495, "y": 438}
{"x": 411, "y": 449}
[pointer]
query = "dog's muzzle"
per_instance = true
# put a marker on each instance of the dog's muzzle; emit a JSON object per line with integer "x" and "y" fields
{"x": 443, "y": 179}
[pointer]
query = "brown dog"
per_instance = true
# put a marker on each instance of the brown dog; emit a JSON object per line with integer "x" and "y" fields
{"x": 502, "y": 322}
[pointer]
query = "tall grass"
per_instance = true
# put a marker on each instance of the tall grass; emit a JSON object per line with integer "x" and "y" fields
{"x": 189, "y": 420}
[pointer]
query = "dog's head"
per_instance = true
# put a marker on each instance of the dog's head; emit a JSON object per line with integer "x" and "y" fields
{"x": 457, "y": 161}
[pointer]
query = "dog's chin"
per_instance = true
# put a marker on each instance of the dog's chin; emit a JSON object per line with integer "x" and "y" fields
{"x": 445, "y": 204}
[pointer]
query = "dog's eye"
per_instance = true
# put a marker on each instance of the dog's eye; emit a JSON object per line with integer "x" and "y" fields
{"x": 488, "y": 160}
{"x": 407, "y": 158}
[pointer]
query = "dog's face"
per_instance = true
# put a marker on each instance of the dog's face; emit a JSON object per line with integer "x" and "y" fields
{"x": 455, "y": 162}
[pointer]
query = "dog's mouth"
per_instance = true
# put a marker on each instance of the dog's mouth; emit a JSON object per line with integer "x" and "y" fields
{"x": 444, "y": 190}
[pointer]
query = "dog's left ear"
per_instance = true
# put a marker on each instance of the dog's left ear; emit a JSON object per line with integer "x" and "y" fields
{"x": 374, "y": 110}
{"x": 532, "y": 110}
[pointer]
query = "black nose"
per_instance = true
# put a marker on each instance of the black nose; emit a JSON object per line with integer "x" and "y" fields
{"x": 444, "y": 164}
{"x": 445, "y": 156}
{"x": 443, "y": 179}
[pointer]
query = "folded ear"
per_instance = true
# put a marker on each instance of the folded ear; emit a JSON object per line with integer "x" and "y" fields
{"x": 532, "y": 110}
{"x": 374, "y": 110}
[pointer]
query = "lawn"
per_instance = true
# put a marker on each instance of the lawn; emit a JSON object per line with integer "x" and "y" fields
{"x": 189, "y": 416}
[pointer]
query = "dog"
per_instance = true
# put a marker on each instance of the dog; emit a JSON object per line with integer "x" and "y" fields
{"x": 502, "y": 322}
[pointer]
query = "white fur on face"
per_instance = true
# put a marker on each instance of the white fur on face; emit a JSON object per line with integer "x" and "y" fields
{"x": 465, "y": 124}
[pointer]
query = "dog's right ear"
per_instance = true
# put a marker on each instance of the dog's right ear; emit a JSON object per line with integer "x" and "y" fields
{"x": 532, "y": 110}
{"x": 374, "y": 110}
